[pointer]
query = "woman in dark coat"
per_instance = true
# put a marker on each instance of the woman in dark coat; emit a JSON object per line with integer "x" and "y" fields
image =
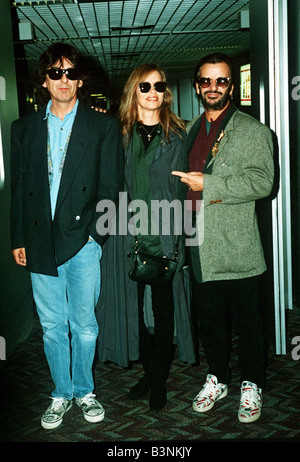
{"x": 156, "y": 315}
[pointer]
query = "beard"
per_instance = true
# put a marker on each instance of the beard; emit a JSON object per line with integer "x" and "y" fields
{"x": 215, "y": 105}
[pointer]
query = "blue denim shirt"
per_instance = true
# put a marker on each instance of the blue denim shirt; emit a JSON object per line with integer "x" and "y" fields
{"x": 59, "y": 134}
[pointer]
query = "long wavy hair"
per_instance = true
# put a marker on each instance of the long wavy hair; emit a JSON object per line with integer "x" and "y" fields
{"x": 128, "y": 112}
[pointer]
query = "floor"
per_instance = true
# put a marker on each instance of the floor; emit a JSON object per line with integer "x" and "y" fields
{"x": 26, "y": 386}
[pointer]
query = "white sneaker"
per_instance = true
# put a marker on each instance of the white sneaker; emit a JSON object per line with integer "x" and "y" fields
{"x": 53, "y": 416}
{"x": 92, "y": 410}
{"x": 251, "y": 402}
{"x": 210, "y": 393}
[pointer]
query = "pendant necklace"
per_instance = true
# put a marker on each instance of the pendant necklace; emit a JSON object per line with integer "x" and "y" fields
{"x": 149, "y": 134}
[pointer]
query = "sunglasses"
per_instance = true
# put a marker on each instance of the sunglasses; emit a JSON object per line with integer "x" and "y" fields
{"x": 56, "y": 73}
{"x": 222, "y": 82}
{"x": 145, "y": 87}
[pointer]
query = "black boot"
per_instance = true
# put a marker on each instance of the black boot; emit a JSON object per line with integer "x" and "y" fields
{"x": 146, "y": 347}
{"x": 158, "y": 398}
{"x": 141, "y": 388}
{"x": 161, "y": 368}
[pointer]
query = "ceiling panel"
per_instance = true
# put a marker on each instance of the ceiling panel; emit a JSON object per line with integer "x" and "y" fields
{"x": 117, "y": 36}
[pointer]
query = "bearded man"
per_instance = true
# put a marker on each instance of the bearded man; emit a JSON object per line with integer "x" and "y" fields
{"x": 231, "y": 165}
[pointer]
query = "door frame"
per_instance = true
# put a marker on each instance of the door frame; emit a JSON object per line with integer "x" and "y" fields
{"x": 281, "y": 205}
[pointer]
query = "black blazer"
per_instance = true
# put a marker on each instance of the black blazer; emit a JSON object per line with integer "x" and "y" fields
{"x": 93, "y": 171}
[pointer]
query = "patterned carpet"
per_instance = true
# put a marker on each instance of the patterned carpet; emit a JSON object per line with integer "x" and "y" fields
{"x": 26, "y": 385}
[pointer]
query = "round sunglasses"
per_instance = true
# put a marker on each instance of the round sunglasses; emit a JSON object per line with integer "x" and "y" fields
{"x": 56, "y": 73}
{"x": 222, "y": 82}
{"x": 145, "y": 87}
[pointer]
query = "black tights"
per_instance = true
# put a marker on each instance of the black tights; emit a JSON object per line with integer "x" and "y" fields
{"x": 156, "y": 351}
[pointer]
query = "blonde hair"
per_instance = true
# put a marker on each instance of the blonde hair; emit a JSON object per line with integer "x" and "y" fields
{"x": 128, "y": 113}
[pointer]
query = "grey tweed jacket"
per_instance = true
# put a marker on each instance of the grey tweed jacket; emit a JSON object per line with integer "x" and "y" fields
{"x": 229, "y": 244}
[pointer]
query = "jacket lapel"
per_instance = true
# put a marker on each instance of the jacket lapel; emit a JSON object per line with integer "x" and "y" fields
{"x": 210, "y": 159}
{"x": 129, "y": 168}
{"x": 75, "y": 153}
{"x": 227, "y": 127}
{"x": 39, "y": 161}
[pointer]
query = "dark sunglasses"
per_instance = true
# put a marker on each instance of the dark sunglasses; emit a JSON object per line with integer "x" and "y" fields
{"x": 145, "y": 87}
{"x": 222, "y": 82}
{"x": 56, "y": 73}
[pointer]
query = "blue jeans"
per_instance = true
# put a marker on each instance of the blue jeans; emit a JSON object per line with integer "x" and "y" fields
{"x": 66, "y": 308}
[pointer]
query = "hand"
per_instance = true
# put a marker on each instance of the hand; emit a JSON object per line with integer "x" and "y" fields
{"x": 194, "y": 180}
{"x": 98, "y": 109}
{"x": 19, "y": 256}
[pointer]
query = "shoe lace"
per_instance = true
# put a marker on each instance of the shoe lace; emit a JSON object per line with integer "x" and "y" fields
{"x": 89, "y": 399}
{"x": 208, "y": 390}
{"x": 56, "y": 403}
{"x": 250, "y": 397}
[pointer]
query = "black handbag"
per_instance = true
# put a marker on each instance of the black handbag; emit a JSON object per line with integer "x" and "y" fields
{"x": 151, "y": 269}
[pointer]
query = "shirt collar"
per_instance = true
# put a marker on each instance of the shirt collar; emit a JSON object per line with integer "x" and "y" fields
{"x": 48, "y": 111}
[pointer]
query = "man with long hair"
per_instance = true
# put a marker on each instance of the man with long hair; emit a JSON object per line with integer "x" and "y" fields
{"x": 64, "y": 160}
